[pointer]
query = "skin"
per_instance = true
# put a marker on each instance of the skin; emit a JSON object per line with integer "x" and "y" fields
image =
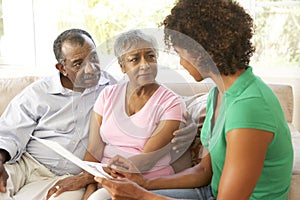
{"x": 81, "y": 67}
{"x": 4, "y": 156}
{"x": 141, "y": 67}
{"x": 243, "y": 163}
{"x": 79, "y": 71}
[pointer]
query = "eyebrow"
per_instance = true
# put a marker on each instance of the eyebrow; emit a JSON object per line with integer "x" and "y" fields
{"x": 134, "y": 54}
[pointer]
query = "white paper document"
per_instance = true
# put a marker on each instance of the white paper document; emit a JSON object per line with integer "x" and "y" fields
{"x": 93, "y": 168}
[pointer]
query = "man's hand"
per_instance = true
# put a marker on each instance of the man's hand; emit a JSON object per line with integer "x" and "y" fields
{"x": 4, "y": 156}
{"x": 70, "y": 184}
{"x": 3, "y": 178}
{"x": 183, "y": 137}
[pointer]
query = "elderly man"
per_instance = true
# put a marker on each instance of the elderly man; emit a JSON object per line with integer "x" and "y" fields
{"x": 55, "y": 108}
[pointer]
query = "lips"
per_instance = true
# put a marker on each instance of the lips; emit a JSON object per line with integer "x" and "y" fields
{"x": 144, "y": 75}
{"x": 91, "y": 78}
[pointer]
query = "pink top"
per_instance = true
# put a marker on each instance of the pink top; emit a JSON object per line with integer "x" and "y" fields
{"x": 127, "y": 135}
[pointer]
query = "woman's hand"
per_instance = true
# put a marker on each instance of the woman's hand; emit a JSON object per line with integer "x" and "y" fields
{"x": 183, "y": 137}
{"x": 70, "y": 184}
{"x": 121, "y": 167}
{"x": 126, "y": 189}
{"x": 89, "y": 190}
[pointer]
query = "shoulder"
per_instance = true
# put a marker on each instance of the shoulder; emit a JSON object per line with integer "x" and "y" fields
{"x": 111, "y": 90}
{"x": 38, "y": 87}
{"x": 168, "y": 93}
{"x": 256, "y": 107}
{"x": 109, "y": 77}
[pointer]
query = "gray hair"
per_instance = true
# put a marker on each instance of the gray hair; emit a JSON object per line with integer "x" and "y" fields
{"x": 75, "y": 36}
{"x": 131, "y": 40}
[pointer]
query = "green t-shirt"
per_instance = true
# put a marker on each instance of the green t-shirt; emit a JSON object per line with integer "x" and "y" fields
{"x": 250, "y": 103}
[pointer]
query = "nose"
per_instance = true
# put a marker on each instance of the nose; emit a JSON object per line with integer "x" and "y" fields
{"x": 89, "y": 67}
{"x": 144, "y": 64}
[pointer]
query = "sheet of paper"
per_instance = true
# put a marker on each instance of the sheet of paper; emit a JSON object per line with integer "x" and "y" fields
{"x": 93, "y": 168}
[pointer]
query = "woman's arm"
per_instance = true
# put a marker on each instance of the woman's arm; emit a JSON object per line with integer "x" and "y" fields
{"x": 199, "y": 175}
{"x": 183, "y": 138}
{"x": 96, "y": 145}
{"x": 245, "y": 156}
{"x": 157, "y": 145}
{"x": 94, "y": 151}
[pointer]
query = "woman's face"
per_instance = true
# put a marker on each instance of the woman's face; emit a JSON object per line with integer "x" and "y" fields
{"x": 140, "y": 65}
{"x": 189, "y": 63}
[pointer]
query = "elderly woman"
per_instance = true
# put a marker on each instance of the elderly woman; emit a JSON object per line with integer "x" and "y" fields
{"x": 133, "y": 117}
{"x": 248, "y": 151}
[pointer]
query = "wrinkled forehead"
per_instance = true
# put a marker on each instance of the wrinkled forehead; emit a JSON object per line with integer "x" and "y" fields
{"x": 137, "y": 46}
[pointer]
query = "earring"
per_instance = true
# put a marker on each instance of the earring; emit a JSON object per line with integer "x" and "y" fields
{"x": 125, "y": 77}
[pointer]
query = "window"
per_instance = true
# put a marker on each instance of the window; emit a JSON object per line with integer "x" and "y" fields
{"x": 27, "y": 30}
{"x": 277, "y": 33}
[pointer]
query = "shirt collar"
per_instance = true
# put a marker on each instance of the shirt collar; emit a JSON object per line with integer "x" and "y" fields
{"x": 243, "y": 81}
{"x": 55, "y": 86}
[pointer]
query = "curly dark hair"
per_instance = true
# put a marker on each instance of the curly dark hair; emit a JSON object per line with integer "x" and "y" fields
{"x": 72, "y": 35}
{"x": 221, "y": 27}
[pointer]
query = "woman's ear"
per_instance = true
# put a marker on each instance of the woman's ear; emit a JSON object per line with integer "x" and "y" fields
{"x": 61, "y": 69}
{"x": 122, "y": 66}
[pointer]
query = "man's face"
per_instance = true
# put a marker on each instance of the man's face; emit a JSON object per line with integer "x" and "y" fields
{"x": 81, "y": 64}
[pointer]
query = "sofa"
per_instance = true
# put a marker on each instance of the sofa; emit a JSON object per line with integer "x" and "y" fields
{"x": 9, "y": 87}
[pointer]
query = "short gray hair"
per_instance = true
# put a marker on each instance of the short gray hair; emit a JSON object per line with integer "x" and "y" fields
{"x": 130, "y": 40}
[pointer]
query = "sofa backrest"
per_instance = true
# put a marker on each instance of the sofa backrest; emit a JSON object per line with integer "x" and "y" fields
{"x": 10, "y": 87}
{"x": 283, "y": 92}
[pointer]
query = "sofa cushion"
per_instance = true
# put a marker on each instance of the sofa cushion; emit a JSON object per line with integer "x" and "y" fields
{"x": 285, "y": 96}
{"x": 10, "y": 87}
{"x": 296, "y": 147}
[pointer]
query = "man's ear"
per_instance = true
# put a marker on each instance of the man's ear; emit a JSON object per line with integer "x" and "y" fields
{"x": 61, "y": 69}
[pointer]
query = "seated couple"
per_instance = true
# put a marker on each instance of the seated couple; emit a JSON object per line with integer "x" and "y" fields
{"x": 134, "y": 119}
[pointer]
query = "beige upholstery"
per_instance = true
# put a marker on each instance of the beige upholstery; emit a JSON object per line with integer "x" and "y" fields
{"x": 283, "y": 92}
{"x": 11, "y": 86}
